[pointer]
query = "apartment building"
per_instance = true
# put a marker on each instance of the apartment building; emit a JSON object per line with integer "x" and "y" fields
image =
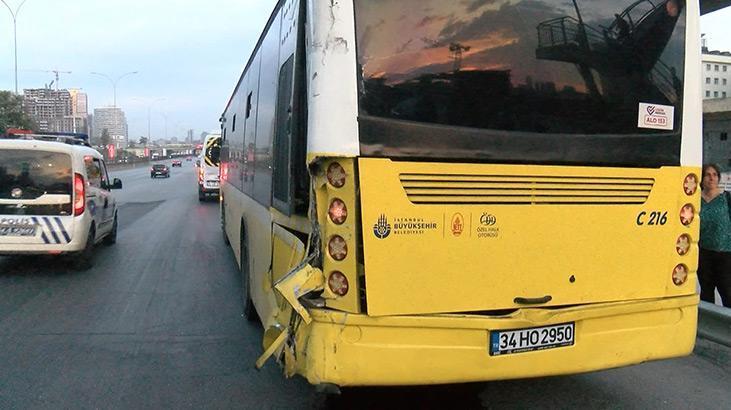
{"x": 114, "y": 121}
{"x": 716, "y": 71}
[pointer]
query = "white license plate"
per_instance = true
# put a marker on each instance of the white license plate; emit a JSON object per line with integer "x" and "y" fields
{"x": 18, "y": 230}
{"x": 526, "y": 340}
{"x": 212, "y": 184}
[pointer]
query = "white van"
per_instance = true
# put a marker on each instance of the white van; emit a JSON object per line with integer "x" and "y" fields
{"x": 208, "y": 163}
{"x": 55, "y": 197}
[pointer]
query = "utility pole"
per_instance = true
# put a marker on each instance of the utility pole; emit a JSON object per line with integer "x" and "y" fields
{"x": 149, "y": 112}
{"x": 165, "y": 116}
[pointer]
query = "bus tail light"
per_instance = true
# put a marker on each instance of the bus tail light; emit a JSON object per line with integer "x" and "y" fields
{"x": 336, "y": 175}
{"x": 338, "y": 211}
{"x": 337, "y": 199}
{"x": 79, "y": 195}
{"x": 338, "y": 283}
{"x": 690, "y": 185}
{"x": 337, "y": 248}
{"x": 687, "y": 214}
{"x": 680, "y": 274}
{"x": 682, "y": 245}
{"x": 224, "y": 172}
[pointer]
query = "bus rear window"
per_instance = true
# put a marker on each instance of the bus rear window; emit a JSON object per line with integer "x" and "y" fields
{"x": 213, "y": 152}
{"x": 495, "y": 77}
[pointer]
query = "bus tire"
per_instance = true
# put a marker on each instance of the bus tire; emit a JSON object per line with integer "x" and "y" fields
{"x": 223, "y": 224}
{"x": 201, "y": 195}
{"x": 249, "y": 309}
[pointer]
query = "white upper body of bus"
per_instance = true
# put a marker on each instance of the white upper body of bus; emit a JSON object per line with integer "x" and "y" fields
{"x": 450, "y": 81}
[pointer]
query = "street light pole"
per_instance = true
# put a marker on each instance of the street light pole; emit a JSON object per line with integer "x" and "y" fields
{"x": 165, "y": 116}
{"x": 113, "y": 81}
{"x": 15, "y": 37}
{"x": 149, "y": 112}
{"x": 114, "y": 89}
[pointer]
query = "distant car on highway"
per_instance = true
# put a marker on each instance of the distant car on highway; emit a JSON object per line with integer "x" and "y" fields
{"x": 159, "y": 170}
{"x": 189, "y": 159}
{"x": 55, "y": 197}
{"x": 177, "y": 163}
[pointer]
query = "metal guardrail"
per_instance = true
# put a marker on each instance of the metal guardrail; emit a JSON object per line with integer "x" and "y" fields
{"x": 714, "y": 323}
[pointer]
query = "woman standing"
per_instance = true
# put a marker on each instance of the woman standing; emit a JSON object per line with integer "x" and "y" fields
{"x": 714, "y": 266}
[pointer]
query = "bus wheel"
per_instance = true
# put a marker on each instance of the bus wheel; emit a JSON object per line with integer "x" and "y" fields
{"x": 249, "y": 309}
{"x": 223, "y": 224}
{"x": 201, "y": 195}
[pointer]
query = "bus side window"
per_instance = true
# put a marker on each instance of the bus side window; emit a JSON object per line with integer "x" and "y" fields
{"x": 282, "y": 187}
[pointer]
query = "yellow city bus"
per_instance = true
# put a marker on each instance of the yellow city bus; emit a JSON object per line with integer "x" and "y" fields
{"x": 428, "y": 191}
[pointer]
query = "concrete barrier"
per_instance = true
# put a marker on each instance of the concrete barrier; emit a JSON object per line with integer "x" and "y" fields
{"x": 714, "y": 323}
{"x": 128, "y": 165}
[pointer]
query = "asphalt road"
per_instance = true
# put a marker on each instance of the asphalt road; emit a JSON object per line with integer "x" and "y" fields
{"x": 157, "y": 323}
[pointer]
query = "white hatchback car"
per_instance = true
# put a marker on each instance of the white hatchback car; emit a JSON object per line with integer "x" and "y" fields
{"x": 55, "y": 197}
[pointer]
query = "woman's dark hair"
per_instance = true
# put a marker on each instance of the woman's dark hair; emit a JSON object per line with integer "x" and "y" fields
{"x": 705, "y": 168}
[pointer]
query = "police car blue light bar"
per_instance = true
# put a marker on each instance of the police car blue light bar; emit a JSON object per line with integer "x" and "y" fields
{"x": 73, "y": 138}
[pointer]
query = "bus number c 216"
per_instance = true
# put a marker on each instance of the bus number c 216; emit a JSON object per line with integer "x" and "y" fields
{"x": 652, "y": 218}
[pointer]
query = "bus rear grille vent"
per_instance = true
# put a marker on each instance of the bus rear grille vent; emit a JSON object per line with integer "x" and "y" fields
{"x": 525, "y": 189}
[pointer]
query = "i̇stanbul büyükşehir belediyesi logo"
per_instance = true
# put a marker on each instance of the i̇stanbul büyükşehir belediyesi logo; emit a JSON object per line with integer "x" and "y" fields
{"x": 382, "y": 228}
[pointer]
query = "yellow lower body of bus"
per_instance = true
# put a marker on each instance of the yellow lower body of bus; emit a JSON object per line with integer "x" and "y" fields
{"x": 359, "y": 350}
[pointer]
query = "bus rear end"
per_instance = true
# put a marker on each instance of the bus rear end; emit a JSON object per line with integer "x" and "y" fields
{"x": 524, "y": 202}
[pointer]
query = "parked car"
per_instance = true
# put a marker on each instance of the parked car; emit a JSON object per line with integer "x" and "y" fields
{"x": 177, "y": 163}
{"x": 159, "y": 170}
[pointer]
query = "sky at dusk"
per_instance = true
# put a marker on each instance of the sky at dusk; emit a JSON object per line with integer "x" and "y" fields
{"x": 189, "y": 53}
{"x": 717, "y": 27}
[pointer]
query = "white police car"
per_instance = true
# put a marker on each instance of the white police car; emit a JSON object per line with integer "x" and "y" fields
{"x": 55, "y": 197}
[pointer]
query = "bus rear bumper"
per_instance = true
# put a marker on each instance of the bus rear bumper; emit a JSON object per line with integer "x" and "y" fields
{"x": 349, "y": 350}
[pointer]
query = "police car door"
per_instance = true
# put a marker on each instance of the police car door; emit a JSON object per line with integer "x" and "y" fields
{"x": 95, "y": 195}
{"x": 110, "y": 206}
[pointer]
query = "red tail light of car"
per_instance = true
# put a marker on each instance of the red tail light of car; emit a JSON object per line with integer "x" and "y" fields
{"x": 79, "y": 195}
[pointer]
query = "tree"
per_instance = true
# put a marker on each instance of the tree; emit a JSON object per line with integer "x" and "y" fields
{"x": 143, "y": 141}
{"x": 105, "y": 137}
{"x": 11, "y": 113}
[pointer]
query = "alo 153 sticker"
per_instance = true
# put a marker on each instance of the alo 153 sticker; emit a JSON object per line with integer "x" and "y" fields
{"x": 656, "y": 116}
